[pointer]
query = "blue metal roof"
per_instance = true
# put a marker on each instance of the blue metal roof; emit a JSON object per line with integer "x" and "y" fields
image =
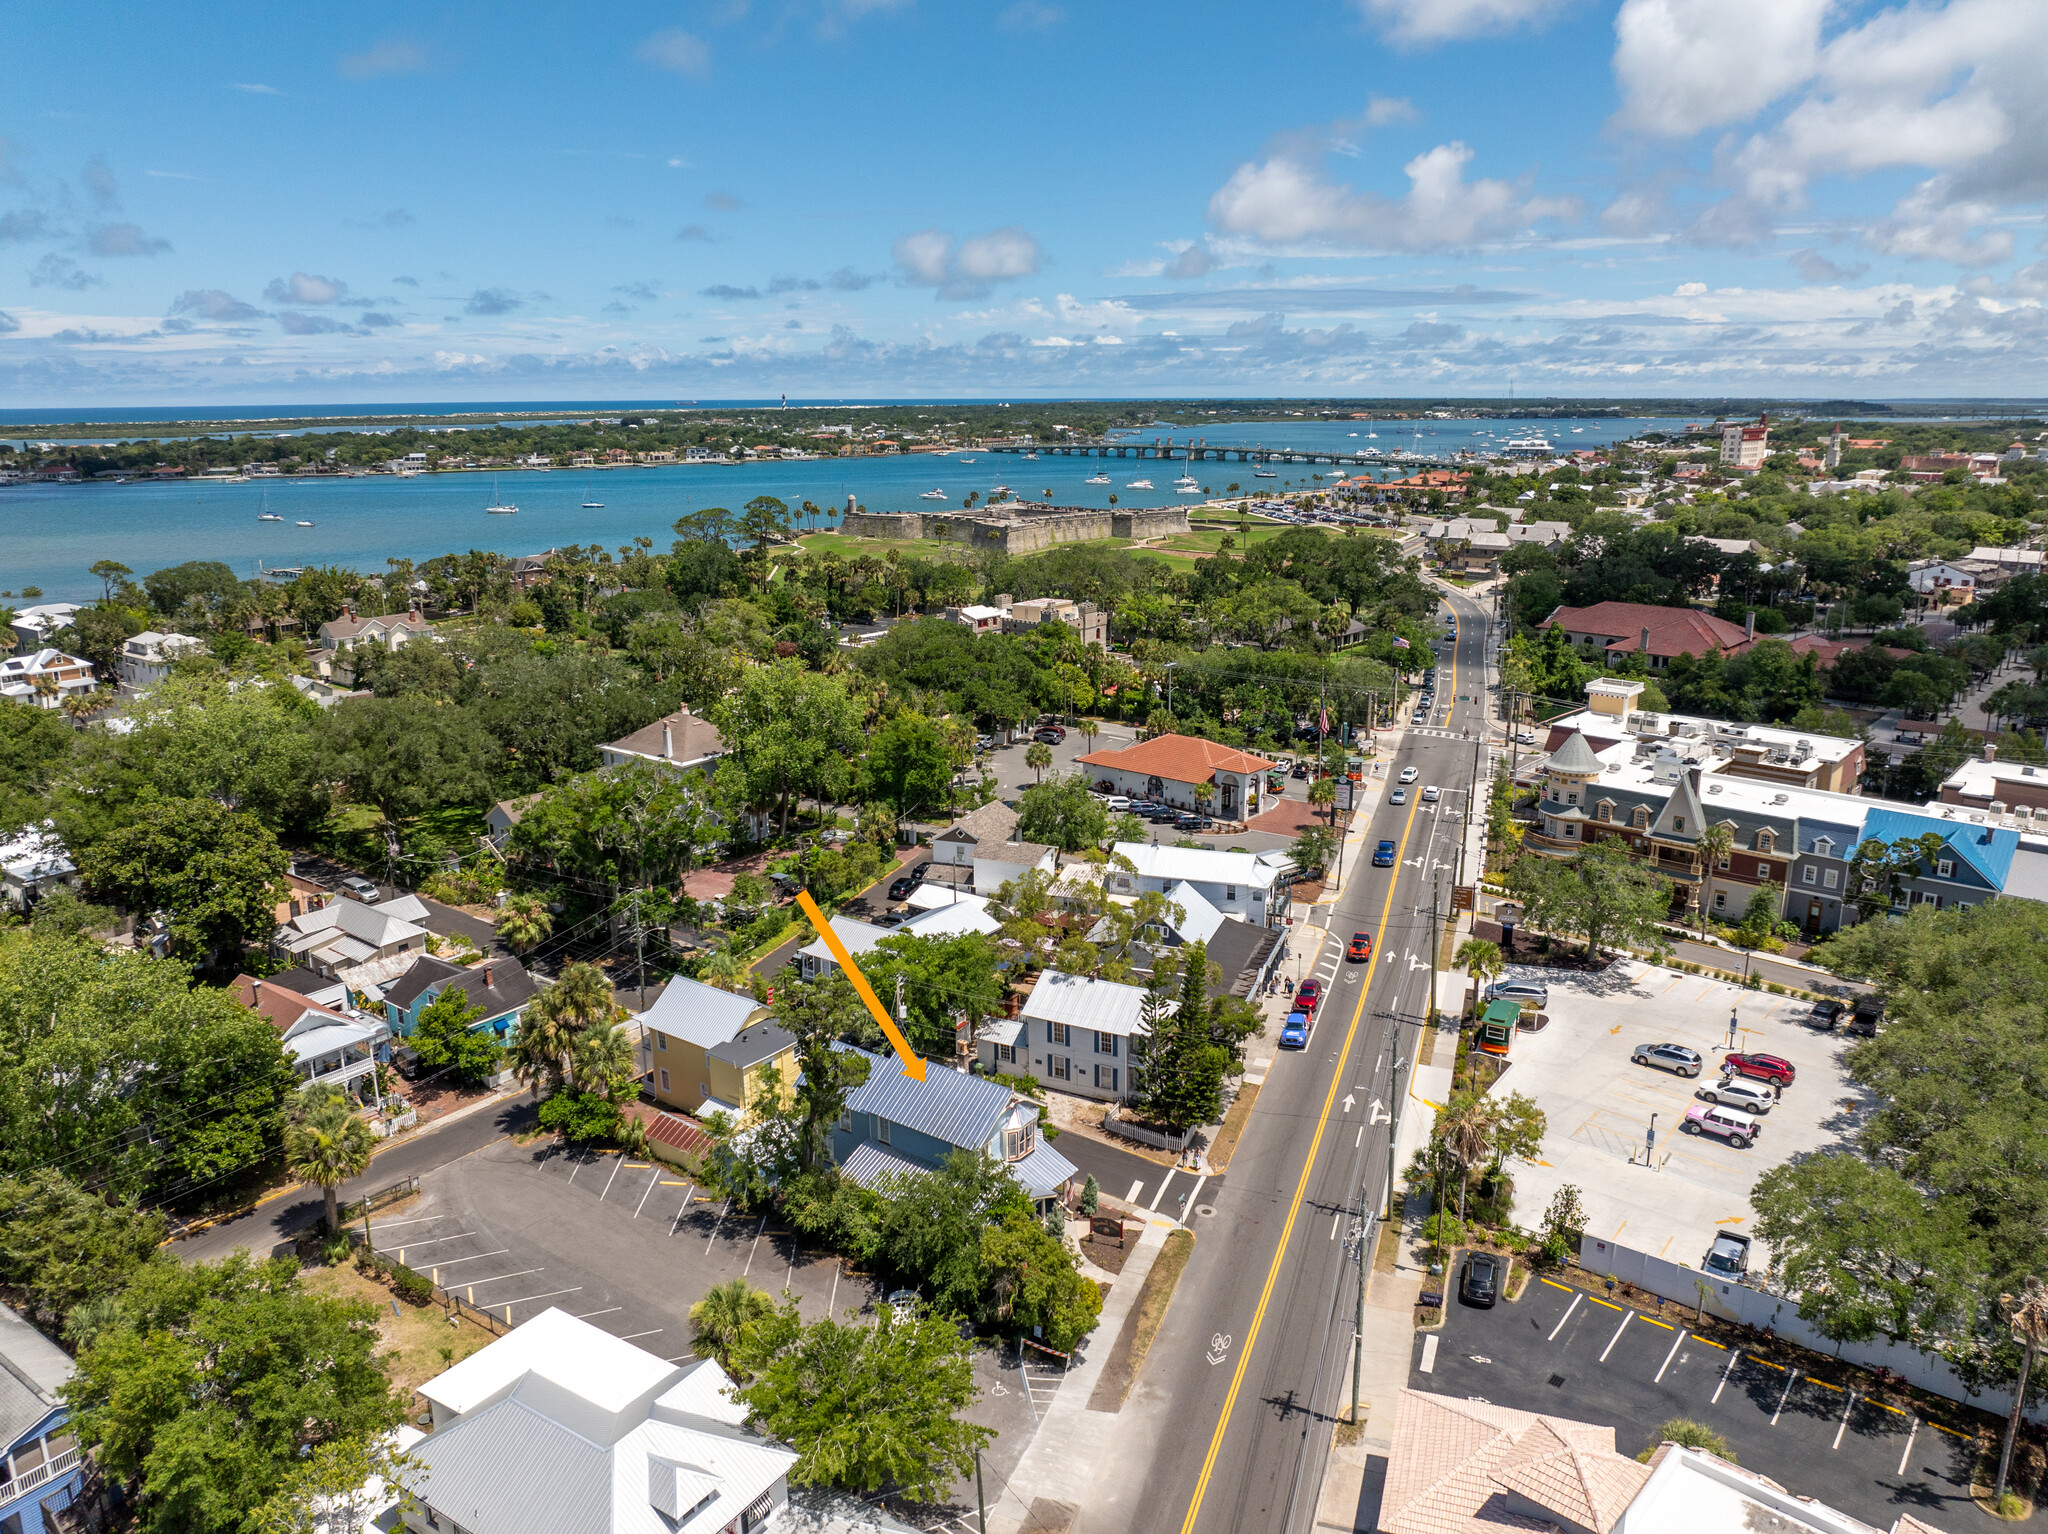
{"x": 1987, "y": 849}
{"x": 1044, "y": 1172}
{"x": 947, "y": 1105}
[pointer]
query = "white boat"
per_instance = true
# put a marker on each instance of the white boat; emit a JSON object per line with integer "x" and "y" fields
{"x": 1097, "y": 479}
{"x": 1187, "y": 484}
{"x": 1031, "y": 458}
{"x": 1264, "y": 474}
{"x": 593, "y": 505}
{"x": 498, "y": 508}
{"x": 1139, "y": 484}
{"x": 968, "y": 460}
{"x": 933, "y": 495}
{"x": 305, "y": 524}
{"x": 268, "y": 516}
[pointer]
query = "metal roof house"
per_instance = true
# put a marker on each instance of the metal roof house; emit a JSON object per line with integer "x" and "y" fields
{"x": 1075, "y": 1034}
{"x": 40, "y": 1472}
{"x": 896, "y": 1125}
{"x": 559, "y": 1427}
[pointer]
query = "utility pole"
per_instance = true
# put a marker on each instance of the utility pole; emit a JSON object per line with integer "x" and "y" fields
{"x": 1436, "y": 890}
{"x": 640, "y": 948}
{"x": 980, "y": 1496}
{"x": 1359, "y": 1239}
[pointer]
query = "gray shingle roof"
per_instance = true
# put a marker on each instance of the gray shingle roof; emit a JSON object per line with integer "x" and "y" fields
{"x": 763, "y": 1041}
{"x": 1575, "y": 755}
{"x": 32, "y": 1370}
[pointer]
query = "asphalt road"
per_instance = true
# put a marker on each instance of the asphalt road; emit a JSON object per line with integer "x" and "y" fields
{"x": 1242, "y": 1386}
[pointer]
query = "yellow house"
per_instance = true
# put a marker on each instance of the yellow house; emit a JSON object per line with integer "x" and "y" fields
{"x": 708, "y": 1050}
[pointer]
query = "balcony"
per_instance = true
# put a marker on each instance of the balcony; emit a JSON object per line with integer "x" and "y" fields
{"x": 29, "y": 1480}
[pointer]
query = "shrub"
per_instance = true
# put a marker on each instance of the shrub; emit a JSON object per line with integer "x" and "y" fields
{"x": 1689, "y": 1434}
{"x": 413, "y": 1288}
{"x": 1443, "y": 1229}
{"x": 335, "y": 1249}
{"x": 580, "y": 1116}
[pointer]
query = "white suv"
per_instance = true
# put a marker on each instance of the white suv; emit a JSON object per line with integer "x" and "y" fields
{"x": 1738, "y": 1129}
{"x": 1737, "y": 1092}
{"x": 1409, "y": 774}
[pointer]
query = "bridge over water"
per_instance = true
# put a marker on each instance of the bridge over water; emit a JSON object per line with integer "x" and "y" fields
{"x": 1200, "y": 450}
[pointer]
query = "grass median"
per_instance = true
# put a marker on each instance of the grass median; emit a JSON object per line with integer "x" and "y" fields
{"x": 1141, "y": 1325}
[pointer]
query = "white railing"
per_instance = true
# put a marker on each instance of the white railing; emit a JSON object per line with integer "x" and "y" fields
{"x": 29, "y": 1480}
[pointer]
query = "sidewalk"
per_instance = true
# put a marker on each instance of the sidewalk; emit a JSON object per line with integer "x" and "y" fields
{"x": 1075, "y": 1448}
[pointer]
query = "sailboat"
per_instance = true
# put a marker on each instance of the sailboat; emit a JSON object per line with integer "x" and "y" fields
{"x": 266, "y": 514}
{"x": 593, "y": 505}
{"x": 304, "y": 523}
{"x": 1097, "y": 479}
{"x": 498, "y": 508}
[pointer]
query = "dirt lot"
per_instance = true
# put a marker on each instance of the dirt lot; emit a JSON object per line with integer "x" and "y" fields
{"x": 418, "y": 1338}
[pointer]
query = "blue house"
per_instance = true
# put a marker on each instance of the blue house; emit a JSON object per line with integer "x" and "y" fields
{"x": 500, "y": 987}
{"x": 41, "y": 1472}
{"x": 896, "y": 1124}
{"x": 1970, "y": 869}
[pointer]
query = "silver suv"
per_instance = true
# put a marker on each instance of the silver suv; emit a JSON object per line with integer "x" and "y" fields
{"x": 1519, "y": 990}
{"x": 1729, "y": 1257}
{"x": 1668, "y": 1057}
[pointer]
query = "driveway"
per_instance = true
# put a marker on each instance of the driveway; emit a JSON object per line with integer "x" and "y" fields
{"x": 1792, "y": 1416}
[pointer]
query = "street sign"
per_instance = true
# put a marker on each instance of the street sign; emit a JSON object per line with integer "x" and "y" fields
{"x": 1461, "y": 897}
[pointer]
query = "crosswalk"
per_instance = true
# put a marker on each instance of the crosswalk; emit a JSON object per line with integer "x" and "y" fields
{"x": 1439, "y": 734}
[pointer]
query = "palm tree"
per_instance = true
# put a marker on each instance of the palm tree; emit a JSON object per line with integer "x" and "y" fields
{"x": 1323, "y": 795}
{"x": 583, "y": 995}
{"x": 329, "y": 1146}
{"x": 578, "y": 1002}
{"x": 1479, "y": 959}
{"x": 2028, "y": 1315}
{"x": 1466, "y": 1129}
{"x": 524, "y": 922}
{"x": 1038, "y": 757}
{"x": 1715, "y": 843}
{"x": 721, "y": 969}
{"x": 605, "y": 1060}
{"x": 720, "y": 1322}
{"x": 1205, "y": 794}
{"x": 1090, "y": 728}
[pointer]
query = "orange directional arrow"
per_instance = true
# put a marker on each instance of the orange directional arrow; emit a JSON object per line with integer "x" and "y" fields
{"x": 913, "y": 1063}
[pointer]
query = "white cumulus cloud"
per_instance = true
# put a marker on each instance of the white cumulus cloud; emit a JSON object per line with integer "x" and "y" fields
{"x": 1434, "y": 21}
{"x": 966, "y": 269}
{"x": 1684, "y": 65}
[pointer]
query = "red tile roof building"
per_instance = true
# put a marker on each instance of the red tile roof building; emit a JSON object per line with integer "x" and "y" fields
{"x": 1661, "y": 633}
{"x": 1169, "y": 766}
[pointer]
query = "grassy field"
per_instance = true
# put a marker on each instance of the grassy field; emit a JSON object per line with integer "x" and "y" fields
{"x": 417, "y": 1342}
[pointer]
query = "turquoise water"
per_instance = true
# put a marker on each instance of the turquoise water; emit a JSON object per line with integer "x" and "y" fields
{"x": 54, "y": 533}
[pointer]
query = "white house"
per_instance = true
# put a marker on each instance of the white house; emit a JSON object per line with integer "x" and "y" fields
{"x": 344, "y": 936}
{"x": 684, "y": 741}
{"x": 559, "y": 1427}
{"x": 1167, "y": 769}
{"x": 1937, "y": 577}
{"x": 980, "y": 620}
{"x": 390, "y": 630}
{"x": 814, "y": 958}
{"x": 38, "y": 625}
{"x": 44, "y": 678}
{"x": 1244, "y": 886}
{"x": 147, "y": 658}
{"x": 1073, "y": 1033}
{"x": 34, "y": 861}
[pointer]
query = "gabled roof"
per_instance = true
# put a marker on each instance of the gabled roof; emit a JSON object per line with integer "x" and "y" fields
{"x": 1103, "y": 1005}
{"x": 993, "y": 822}
{"x": 497, "y": 985}
{"x": 750, "y": 1046}
{"x": 283, "y": 1006}
{"x": 1673, "y": 630}
{"x": 1199, "y": 919}
{"x": 948, "y": 1105}
{"x": 1178, "y": 759}
{"x": 858, "y": 936}
{"x": 378, "y": 925}
{"x": 33, "y": 1369}
{"x": 701, "y": 1014}
{"x": 1987, "y": 849}
{"x": 1684, "y": 804}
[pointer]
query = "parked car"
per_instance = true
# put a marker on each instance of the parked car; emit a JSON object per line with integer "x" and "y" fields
{"x": 1431, "y": 794}
{"x": 1307, "y": 994}
{"x": 1410, "y": 774}
{"x": 1668, "y": 1057}
{"x": 1735, "y": 1092}
{"x": 1048, "y": 737}
{"x": 1868, "y": 1014}
{"x": 1525, "y": 737}
{"x": 1294, "y": 1032}
{"x": 1116, "y": 804}
{"x": 1398, "y": 796}
{"x": 362, "y": 889}
{"x": 1737, "y": 1128}
{"x": 900, "y": 889}
{"x": 1361, "y": 948}
{"x": 1774, "y": 1068}
{"x": 1192, "y": 822}
{"x": 1728, "y": 1257}
{"x": 1383, "y": 854}
{"x": 1301, "y": 770}
{"x": 1825, "y": 1014}
{"x": 1519, "y": 990}
{"x": 1481, "y": 1284}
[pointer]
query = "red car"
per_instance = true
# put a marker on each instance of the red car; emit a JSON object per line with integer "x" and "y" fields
{"x": 1360, "y": 949}
{"x": 1307, "y": 995}
{"x": 1771, "y": 1068}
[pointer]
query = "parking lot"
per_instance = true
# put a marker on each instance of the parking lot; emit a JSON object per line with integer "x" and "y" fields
{"x": 630, "y": 1245}
{"x": 1600, "y": 1106}
{"x": 1794, "y": 1418}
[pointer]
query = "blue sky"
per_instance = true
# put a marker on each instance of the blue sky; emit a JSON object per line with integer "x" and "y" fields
{"x": 908, "y": 197}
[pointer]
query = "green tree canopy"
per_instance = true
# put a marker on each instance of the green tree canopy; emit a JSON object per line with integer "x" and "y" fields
{"x": 1060, "y": 812}
{"x": 217, "y": 872}
{"x": 446, "y": 1038}
{"x": 66, "y": 1247}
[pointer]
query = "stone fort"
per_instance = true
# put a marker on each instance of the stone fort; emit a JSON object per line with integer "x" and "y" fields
{"x": 1017, "y": 527}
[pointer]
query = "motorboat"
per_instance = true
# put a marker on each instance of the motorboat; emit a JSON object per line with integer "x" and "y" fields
{"x": 1187, "y": 485}
{"x": 305, "y": 524}
{"x": 1264, "y": 474}
{"x": 933, "y": 495}
{"x": 593, "y": 505}
{"x": 1097, "y": 479}
{"x": 1139, "y": 484}
{"x": 268, "y": 516}
{"x": 1000, "y": 490}
{"x": 1031, "y": 458}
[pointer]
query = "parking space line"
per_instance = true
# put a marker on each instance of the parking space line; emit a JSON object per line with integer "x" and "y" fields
{"x": 1565, "y": 1317}
{"x": 608, "y": 1310}
{"x": 582, "y": 1161}
{"x": 449, "y": 1262}
{"x": 643, "y": 1197}
{"x": 1626, "y": 1317}
{"x": 1675, "y": 1341}
{"x": 1136, "y": 1188}
{"x": 1950, "y": 1431}
{"x": 1734, "y": 1358}
{"x": 678, "y": 1220}
{"x": 631, "y": 1335}
{"x": 715, "y": 1224}
{"x": 499, "y": 1278}
{"x": 1598, "y": 1301}
{"x": 1791, "y": 1379}
{"x": 621, "y": 1161}
{"x": 411, "y": 1242}
{"x": 1843, "y": 1426}
{"x": 425, "y": 1219}
{"x": 1562, "y": 1288}
{"x": 508, "y": 1304}
{"x": 749, "y": 1268}
{"x": 1907, "y": 1451}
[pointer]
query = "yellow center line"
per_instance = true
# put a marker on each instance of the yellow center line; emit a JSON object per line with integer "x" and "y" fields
{"x": 1301, "y": 1189}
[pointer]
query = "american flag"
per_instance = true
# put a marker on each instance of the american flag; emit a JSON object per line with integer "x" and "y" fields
{"x": 1400, "y": 643}
{"x": 1325, "y": 725}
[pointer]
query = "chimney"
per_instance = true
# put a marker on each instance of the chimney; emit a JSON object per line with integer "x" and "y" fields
{"x": 490, "y": 980}
{"x": 668, "y": 744}
{"x": 1749, "y": 624}
{"x": 1990, "y": 752}
{"x": 1645, "y": 646}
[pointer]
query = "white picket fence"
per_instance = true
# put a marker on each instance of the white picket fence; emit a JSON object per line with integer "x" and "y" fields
{"x": 1740, "y": 1303}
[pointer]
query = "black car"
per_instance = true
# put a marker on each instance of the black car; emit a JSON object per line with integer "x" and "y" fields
{"x": 1481, "y": 1284}
{"x": 901, "y": 889}
{"x": 1868, "y": 1014}
{"x": 1825, "y": 1014}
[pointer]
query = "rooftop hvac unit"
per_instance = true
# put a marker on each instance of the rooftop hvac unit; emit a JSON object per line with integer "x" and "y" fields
{"x": 1805, "y": 749}
{"x": 1781, "y": 798}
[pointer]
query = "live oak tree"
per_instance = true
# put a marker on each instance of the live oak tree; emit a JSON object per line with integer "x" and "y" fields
{"x": 1601, "y": 894}
{"x": 792, "y": 733}
{"x": 217, "y": 873}
{"x": 66, "y": 1247}
{"x": 404, "y": 756}
{"x": 446, "y": 1038}
{"x": 1060, "y": 812}
{"x": 214, "y": 1383}
{"x": 629, "y": 828}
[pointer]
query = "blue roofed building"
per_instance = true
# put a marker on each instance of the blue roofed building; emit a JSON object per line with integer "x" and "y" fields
{"x": 895, "y": 1124}
{"x": 41, "y": 1472}
{"x": 1971, "y": 867}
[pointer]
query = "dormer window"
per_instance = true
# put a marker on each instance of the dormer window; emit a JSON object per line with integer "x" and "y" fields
{"x": 1605, "y": 811}
{"x": 1641, "y": 817}
{"x": 1019, "y": 1140}
{"x": 1765, "y": 842}
{"x": 1824, "y": 848}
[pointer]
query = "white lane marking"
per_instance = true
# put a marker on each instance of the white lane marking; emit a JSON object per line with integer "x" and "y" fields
{"x": 449, "y": 1262}
{"x": 582, "y": 1161}
{"x": 1195, "y": 1197}
{"x": 425, "y": 1219}
{"x": 1136, "y": 1188}
{"x": 688, "y": 1194}
{"x": 833, "y": 1299}
{"x": 651, "y": 1181}
{"x": 473, "y": 1282}
{"x": 412, "y": 1242}
{"x": 605, "y": 1312}
{"x": 1361, "y": 1138}
{"x": 508, "y": 1304}
{"x": 1626, "y": 1317}
{"x": 613, "y": 1178}
{"x": 1733, "y": 1359}
{"x": 1903, "y": 1453}
{"x": 1675, "y": 1341}
{"x": 749, "y": 1268}
{"x": 1428, "y": 1364}
{"x": 631, "y": 1335}
{"x": 1154, "y": 1205}
{"x": 1843, "y": 1426}
{"x": 1335, "y": 1219}
{"x": 1791, "y": 1379}
{"x": 715, "y": 1224}
{"x": 1564, "y": 1318}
